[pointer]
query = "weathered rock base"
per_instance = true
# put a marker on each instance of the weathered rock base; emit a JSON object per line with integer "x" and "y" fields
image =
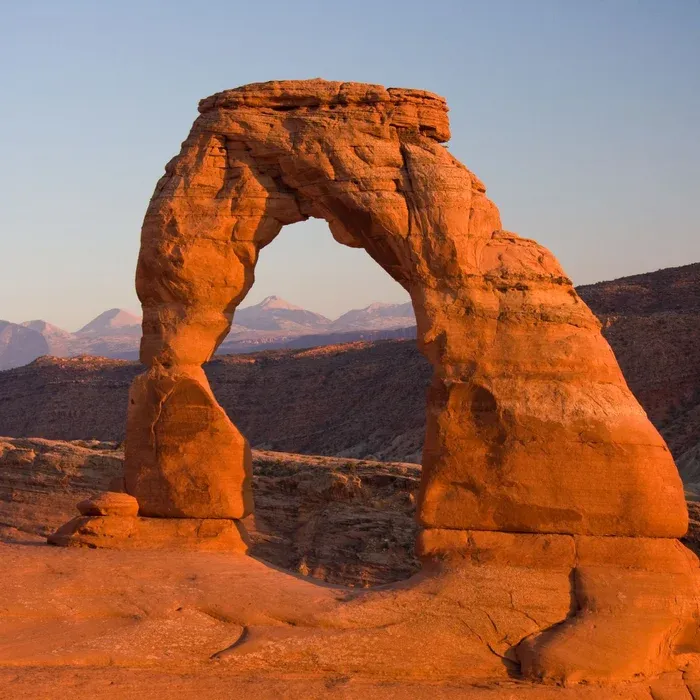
{"x": 132, "y": 532}
{"x": 219, "y": 626}
{"x": 555, "y": 608}
{"x": 634, "y": 602}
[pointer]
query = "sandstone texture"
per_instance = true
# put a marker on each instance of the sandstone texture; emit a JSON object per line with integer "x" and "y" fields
{"x": 524, "y": 384}
{"x": 549, "y": 503}
{"x": 41, "y": 481}
{"x": 131, "y": 532}
{"x": 184, "y": 458}
{"x": 110, "y": 503}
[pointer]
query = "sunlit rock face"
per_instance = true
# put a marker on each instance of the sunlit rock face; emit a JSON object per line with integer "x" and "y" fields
{"x": 548, "y": 502}
{"x": 531, "y": 427}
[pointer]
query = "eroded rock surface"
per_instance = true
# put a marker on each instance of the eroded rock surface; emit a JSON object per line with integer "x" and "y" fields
{"x": 132, "y": 532}
{"x": 344, "y": 521}
{"x": 184, "y": 458}
{"x": 113, "y": 502}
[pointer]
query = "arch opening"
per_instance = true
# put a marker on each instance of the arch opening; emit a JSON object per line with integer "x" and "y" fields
{"x": 334, "y": 414}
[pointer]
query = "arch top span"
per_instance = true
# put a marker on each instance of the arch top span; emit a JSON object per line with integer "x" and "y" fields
{"x": 403, "y": 107}
{"x": 367, "y": 159}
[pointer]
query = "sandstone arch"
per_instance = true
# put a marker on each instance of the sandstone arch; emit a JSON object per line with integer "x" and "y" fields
{"x": 531, "y": 425}
{"x": 536, "y": 456}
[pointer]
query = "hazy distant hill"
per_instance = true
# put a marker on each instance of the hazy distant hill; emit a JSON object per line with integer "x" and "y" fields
{"x": 56, "y": 338}
{"x": 19, "y": 345}
{"x": 376, "y": 316}
{"x": 275, "y": 314}
{"x": 113, "y": 322}
{"x": 271, "y": 324}
{"x": 257, "y": 341}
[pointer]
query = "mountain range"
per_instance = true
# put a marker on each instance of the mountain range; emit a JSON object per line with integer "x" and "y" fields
{"x": 273, "y": 323}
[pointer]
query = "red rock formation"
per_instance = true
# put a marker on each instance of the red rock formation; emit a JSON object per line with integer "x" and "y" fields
{"x": 525, "y": 386}
{"x": 531, "y": 427}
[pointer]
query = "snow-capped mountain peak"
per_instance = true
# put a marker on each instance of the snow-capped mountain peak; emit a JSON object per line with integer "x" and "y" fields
{"x": 111, "y": 322}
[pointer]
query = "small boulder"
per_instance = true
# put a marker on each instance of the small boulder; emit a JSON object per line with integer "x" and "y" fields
{"x": 110, "y": 503}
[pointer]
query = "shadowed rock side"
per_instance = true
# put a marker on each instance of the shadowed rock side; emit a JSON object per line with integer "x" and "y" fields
{"x": 524, "y": 387}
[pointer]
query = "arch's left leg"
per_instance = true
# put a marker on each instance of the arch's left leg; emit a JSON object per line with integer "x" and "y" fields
{"x": 185, "y": 461}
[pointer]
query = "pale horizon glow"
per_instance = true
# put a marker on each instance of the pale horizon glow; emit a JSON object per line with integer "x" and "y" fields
{"x": 581, "y": 118}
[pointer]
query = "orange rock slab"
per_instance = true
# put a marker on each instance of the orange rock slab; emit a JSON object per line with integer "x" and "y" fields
{"x": 129, "y": 533}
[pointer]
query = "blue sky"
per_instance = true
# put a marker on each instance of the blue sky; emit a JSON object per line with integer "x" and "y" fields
{"x": 582, "y": 118}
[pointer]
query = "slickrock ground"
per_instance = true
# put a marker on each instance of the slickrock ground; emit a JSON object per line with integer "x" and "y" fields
{"x": 80, "y": 623}
{"x": 83, "y": 624}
